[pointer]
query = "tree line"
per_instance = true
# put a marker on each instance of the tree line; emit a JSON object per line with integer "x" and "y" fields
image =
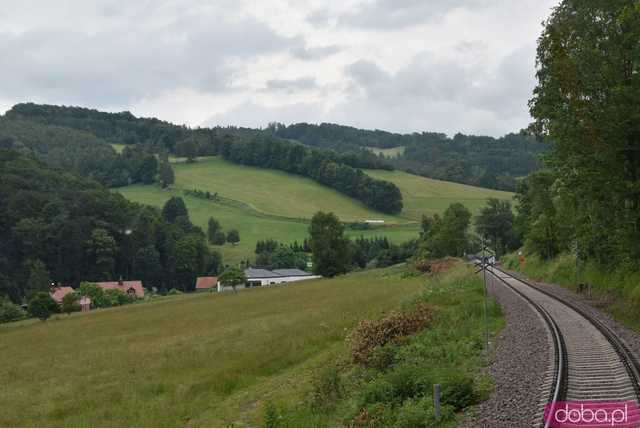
{"x": 469, "y": 159}
{"x": 587, "y": 199}
{"x": 322, "y": 166}
{"x": 62, "y": 228}
{"x": 82, "y": 152}
{"x": 340, "y": 171}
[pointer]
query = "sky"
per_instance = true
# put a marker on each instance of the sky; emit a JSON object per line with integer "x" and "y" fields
{"x": 399, "y": 65}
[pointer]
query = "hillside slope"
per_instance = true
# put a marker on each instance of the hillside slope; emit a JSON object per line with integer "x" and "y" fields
{"x": 263, "y": 203}
{"x": 429, "y": 196}
{"x": 271, "y": 191}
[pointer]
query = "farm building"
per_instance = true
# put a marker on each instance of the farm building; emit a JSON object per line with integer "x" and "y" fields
{"x": 206, "y": 283}
{"x": 259, "y": 277}
{"x": 132, "y": 288}
{"x": 58, "y": 293}
{"x": 293, "y": 275}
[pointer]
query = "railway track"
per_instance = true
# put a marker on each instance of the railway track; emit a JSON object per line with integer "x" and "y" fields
{"x": 589, "y": 361}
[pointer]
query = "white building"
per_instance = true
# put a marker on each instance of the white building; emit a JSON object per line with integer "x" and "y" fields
{"x": 260, "y": 277}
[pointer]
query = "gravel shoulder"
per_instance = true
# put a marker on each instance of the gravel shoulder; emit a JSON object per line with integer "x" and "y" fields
{"x": 519, "y": 364}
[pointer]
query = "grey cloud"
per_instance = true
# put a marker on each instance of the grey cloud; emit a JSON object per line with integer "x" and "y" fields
{"x": 320, "y": 17}
{"x": 115, "y": 68}
{"x": 441, "y": 95}
{"x": 292, "y": 85}
{"x": 315, "y": 52}
{"x": 256, "y": 115}
{"x": 369, "y": 76}
{"x": 398, "y": 14}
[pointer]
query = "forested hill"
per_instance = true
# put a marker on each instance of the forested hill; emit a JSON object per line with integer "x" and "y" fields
{"x": 56, "y": 225}
{"x": 150, "y": 137}
{"x": 478, "y": 160}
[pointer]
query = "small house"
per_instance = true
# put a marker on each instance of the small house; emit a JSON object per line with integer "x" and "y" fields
{"x": 294, "y": 275}
{"x": 131, "y": 288}
{"x": 204, "y": 283}
{"x": 257, "y": 277}
{"x": 58, "y": 293}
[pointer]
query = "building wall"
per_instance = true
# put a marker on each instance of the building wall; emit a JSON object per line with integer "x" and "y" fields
{"x": 270, "y": 281}
{"x": 222, "y": 287}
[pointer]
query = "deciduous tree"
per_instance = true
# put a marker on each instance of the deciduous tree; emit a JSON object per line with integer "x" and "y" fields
{"x": 329, "y": 246}
{"x": 42, "y": 306}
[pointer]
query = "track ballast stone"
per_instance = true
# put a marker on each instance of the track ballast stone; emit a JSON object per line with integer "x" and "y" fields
{"x": 521, "y": 360}
{"x": 628, "y": 336}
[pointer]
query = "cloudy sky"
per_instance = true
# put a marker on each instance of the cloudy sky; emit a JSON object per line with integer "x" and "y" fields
{"x": 400, "y": 65}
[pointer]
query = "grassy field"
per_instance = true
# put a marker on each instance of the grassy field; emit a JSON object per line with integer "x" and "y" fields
{"x": 252, "y": 227}
{"x": 271, "y": 191}
{"x": 200, "y": 360}
{"x": 428, "y": 196}
{"x": 397, "y": 389}
{"x": 273, "y": 204}
{"x": 393, "y": 152}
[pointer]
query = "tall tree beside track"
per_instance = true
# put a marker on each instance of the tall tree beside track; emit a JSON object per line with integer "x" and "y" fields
{"x": 586, "y": 101}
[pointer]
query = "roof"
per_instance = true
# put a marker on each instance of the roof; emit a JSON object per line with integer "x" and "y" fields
{"x": 58, "y": 293}
{"x": 123, "y": 286}
{"x": 260, "y": 273}
{"x": 291, "y": 272}
{"x": 204, "y": 282}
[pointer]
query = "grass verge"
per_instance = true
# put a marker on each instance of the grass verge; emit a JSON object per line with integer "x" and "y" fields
{"x": 616, "y": 291}
{"x": 394, "y": 389}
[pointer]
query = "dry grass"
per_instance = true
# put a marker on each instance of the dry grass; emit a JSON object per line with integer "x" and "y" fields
{"x": 192, "y": 360}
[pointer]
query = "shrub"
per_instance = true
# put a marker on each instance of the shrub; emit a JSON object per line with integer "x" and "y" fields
{"x": 370, "y": 334}
{"x": 408, "y": 382}
{"x": 382, "y": 357}
{"x": 70, "y": 303}
{"x": 42, "y": 306}
{"x": 373, "y": 416}
{"x": 174, "y": 292}
{"x": 378, "y": 391}
{"x": 116, "y": 297}
{"x": 95, "y": 293}
{"x": 420, "y": 414}
{"x": 327, "y": 389}
{"x": 10, "y": 312}
{"x": 219, "y": 238}
{"x": 458, "y": 392}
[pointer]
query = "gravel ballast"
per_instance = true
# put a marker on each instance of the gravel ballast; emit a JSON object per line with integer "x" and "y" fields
{"x": 521, "y": 361}
{"x": 520, "y": 365}
{"x": 628, "y": 336}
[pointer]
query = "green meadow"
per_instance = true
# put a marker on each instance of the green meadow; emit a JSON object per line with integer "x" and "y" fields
{"x": 270, "y": 191}
{"x": 422, "y": 195}
{"x": 198, "y": 360}
{"x": 252, "y": 225}
{"x": 263, "y": 203}
{"x": 392, "y": 152}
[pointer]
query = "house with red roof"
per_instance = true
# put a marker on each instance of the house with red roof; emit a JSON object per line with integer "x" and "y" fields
{"x": 206, "y": 283}
{"x": 57, "y": 293}
{"x": 131, "y": 288}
